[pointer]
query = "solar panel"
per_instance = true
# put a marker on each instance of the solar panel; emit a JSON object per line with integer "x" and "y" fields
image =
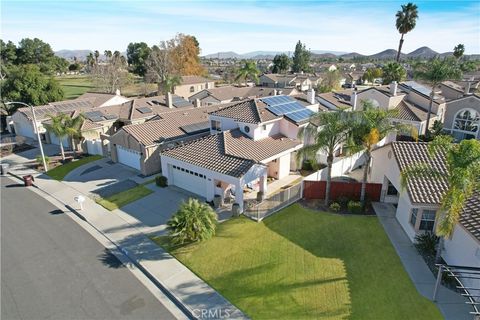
{"x": 96, "y": 119}
{"x": 110, "y": 116}
{"x": 301, "y": 115}
{"x": 93, "y": 114}
{"x": 144, "y": 110}
{"x": 196, "y": 127}
{"x": 179, "y": 102}
{"x": 277, "y": 100}
{"x": 286, "y": 108}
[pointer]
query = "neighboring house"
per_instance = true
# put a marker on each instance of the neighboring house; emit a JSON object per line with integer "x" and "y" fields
{"x": 191, "y": 85}
{"x": 453, "y": 90}
{"x": 354, "y": 78}
{"x": 226, "y": 94}
{"x": 418, "y": 205}
{"x": 462, "y": 117}
{"x": 336, "y": 100}
{"x": 139, "y": 145}
{"x": 250, "y": 141}
{"x": 301, "y": 82}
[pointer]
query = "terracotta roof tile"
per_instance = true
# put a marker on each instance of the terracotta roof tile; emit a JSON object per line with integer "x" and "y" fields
{"x": 248, "y": 111}
{"x": 470, "y": 217}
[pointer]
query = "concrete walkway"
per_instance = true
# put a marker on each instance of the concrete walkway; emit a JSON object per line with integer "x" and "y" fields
{"x": 451, "y": 304}
{"x": 184, "y": 286}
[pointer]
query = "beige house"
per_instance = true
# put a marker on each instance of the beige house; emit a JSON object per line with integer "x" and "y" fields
{"x": 462, "y": 117}
{"x": 191, "y": 85}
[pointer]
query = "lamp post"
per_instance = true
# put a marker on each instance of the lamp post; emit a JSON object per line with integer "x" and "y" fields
{"x": 35, "y": 128}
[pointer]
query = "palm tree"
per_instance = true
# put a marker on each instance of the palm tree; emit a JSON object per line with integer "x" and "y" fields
{"x": 72, "y": 129}
{"x": 462, "y": 163}
{"x": 194, "y": 221}
{"x": 406, "y": 20}
{"x": 393, "y": 71}
{"x": 97, "y": 55}
{"x": 458, "y": 51}
{"x": 248, "y": 71}
{"x": 108, "y": 54}
{"x": 369, "y": 127}
{"x": 434, "y": 72}
{"x": 329, "y": 131}
{"x": 57, "y": 127}
{"x": 168, "y": 84}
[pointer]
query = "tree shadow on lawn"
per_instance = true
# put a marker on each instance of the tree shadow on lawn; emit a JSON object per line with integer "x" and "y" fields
{"x": 378, "y": 285}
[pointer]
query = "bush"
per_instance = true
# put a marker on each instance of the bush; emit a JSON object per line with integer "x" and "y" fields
{"x": 194, "y": 221}
{"x": 307, "y": 165}
{"x": 343, "y": 201}
{"x": 426, "y": 244}
{"x": 335, "y": 207}
{"x": 161, "y": 181}
{"x": 354, "y": 207}
{"x": 40, "y": 160}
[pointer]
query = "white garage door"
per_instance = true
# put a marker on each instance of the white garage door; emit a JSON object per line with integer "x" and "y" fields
{"x": 128, "y": 157}
{"x": 94, "y": 147}
{"x": 189, "y": 180}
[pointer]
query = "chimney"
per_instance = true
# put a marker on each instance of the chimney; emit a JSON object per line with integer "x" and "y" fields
{"x": 353, "y": 100}
{"x": 467, "y": 87}
{"x": 393, "y": 88}
{"x": 196, "y": 103}
{"x": 169, "y": 100}
{"x": 311, "y": 96}
{"x": 117, "y": 92}
{"x": 274, "y": 92}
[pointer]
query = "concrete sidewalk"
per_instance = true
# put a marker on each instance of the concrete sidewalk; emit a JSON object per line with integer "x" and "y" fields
{"x": 452, "y": 305}
{"x": 184, "y": 286}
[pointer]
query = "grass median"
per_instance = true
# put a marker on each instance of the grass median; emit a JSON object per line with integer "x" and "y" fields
{"x": 58, "y": 173}
{"x": 120, "y": 199}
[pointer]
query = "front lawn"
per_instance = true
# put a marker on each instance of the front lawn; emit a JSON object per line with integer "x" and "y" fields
{"x": 303, "y": 264}
{"x": 120, "y": 199}
{"x": 58, "y": 173}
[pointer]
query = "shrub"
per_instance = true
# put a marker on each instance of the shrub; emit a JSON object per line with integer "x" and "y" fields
{"x": 426, "y": 244}
{"x": 354, "y": 207}
{"x": 343, "y": 201}
{"x": 307, "y": 165}
{"x": 40, "y": 160}
{"x": 161, "y": 181}
{"x": 194, "y": 221}
{"x": 335, "y": 207}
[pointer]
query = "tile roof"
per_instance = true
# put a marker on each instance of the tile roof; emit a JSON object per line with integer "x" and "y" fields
{"x": 194, "y": 79}
{"x": 97, "y": 98}
{"x": 470, "y": 217}
{"x": 209, "y": 153}
{"x": 248, "y": 111}
{"x": 239, "y": 145}
{"x": 42, "y": 112}
{"x": 411, "y": 112}
{"x": 421, "y": 190}
{"x": 340, "y": 99}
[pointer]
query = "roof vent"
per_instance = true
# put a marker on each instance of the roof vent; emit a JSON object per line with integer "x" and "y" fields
{"x": 185, "y": 113}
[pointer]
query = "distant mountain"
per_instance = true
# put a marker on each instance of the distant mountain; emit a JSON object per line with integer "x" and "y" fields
{"x": 223, "y": 55}
{"x": 385, "y": 55}
{"x": 422, "y": 52}
{"x": 70, "y": 54}
{"x": 256, "y": 55}
{"x": 324, "y": 55}
{"x": 351, "y": 55}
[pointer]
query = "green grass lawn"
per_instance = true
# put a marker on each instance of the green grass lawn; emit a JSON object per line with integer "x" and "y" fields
{"x": 120, "y": 199}
{"x": 302, "y": 264}
{"x": 58, "y": 173}
{"x": 75, "y": 86}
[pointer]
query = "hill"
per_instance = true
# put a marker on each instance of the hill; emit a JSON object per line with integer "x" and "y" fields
{"x": 70, "y": 54}
{"x": 422, "y": 52}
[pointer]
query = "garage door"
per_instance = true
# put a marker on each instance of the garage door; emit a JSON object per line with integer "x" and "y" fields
{"x": 94, "y": 147}
{"x": 128, "y": 157}
{"x": 189, "y": 180}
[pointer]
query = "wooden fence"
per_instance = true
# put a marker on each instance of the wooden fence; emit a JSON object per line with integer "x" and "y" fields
{"x": 350, "y": 190}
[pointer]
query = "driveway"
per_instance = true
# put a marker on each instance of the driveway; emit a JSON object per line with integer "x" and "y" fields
{"x": 100, "y": 174}
{"x": 29, "y": 156}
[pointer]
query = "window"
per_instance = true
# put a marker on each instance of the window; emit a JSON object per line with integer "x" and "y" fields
{"x": 216, "y": 125}
{"x": 192, "y": 89}
{"x": 264, "y": 127}
{"x": 466, "y": 124}
{"x": 391, "y": 191}
{"x": 428, "y": 220}
{"x": 413, "y": 217}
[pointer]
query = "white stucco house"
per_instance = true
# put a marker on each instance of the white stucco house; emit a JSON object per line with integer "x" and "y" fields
{"x": 418, "y": 205}
{"x": 250, "y": 141}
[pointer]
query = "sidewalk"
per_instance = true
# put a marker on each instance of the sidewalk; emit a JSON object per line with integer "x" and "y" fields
{"x": 184, "y": 286}
{"x": 452, "y": 305}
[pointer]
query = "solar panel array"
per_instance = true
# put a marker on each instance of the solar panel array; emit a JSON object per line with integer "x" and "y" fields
{"x": 179, "y": 102}
{"x": 196, "y": 127}
{"x": 110, "y": 116}
{"x": 288, "y": 107}
{"x": 144, "y": 110}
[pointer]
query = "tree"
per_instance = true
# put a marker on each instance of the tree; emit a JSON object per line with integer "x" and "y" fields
{"x": 137, "y": 54}
{"x": 281, "y": 63}
{"x": 462, "y": 174}
{"x": 56, "y": 125}
{"x": 330, "y": 82}
{"x": 33, "y": 51}
{"x": 301, "y": 58}
{"x": 72, "y": 128}
{"x": 434, "y": 72}
{"x": 248, "y": 71}
{"x": 369, "y": 127}
{"x": 8, "y": 57}
{"x": 329, "y": 131}
{"x": 193, "y": 222}
{"x": 27, "y": 84}
{"x": 170, "y": 82}
{"x": 406, "y": 21}
{"x": 393, "y": 71}
{"x": 111, "y": 75}
{"x": 185, "y": 55}
{"x": 458, "y": 51}
{"x": 371, "y": 74}
{"x": 160, "y": 68}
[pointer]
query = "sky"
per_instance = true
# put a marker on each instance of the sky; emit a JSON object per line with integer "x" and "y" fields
{"x": 366, "y": 27}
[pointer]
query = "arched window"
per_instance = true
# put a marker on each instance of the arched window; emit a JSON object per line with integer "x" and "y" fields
{"x": 192, "y": 89}
{"x": 466, "y": 124}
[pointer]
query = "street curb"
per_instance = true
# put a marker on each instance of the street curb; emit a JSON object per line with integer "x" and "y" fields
{"x": 137, "y": 264}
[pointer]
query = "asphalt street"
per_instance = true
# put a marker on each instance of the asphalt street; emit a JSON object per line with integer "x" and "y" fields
{"x": 53, "y": 269}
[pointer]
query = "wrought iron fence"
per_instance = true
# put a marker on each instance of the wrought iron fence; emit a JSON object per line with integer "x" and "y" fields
{"x": 259, "y": 210}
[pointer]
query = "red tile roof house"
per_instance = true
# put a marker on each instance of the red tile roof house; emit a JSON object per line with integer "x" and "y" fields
{"x": 249, "y": 142}
{"x": 419, "y": 203}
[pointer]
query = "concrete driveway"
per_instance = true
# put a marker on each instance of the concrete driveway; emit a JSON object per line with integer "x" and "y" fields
{"x": 99, "y": 174}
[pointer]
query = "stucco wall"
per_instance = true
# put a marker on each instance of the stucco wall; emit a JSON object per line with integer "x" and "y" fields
{"x": 184, "y": 90}
{"x": 373, "y": 95}
{"x": 453, "y": 107}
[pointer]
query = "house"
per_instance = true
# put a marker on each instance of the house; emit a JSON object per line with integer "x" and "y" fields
{"x": 250, "y": 140}
{"x": 191, "y": 85}
{"x": 462, "y": 117}
{"x": 301, "y": 82}
{"x": 138, "y": 145}
{"x": 228, "y": 94}
{"x": 453, "y": 90}
{"x": 418, "y": 205}
{"x": 336, "y": 100}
